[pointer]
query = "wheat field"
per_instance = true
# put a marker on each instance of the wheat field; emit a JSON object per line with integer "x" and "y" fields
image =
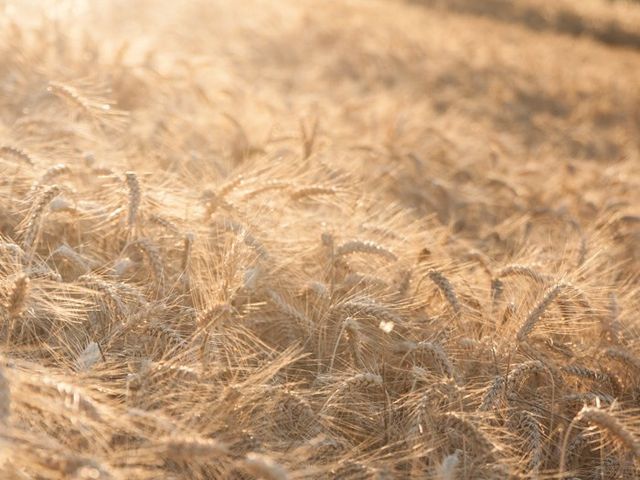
{"x": 349, "y": 239}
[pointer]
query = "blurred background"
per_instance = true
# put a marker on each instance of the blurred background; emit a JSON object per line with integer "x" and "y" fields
{"x": 467, "y": 92}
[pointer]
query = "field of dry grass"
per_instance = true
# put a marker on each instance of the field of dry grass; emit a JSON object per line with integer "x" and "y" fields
{"x": 319, "y": 240}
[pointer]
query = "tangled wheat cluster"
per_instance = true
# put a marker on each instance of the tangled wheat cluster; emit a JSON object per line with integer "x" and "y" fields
{"x": 283, "y": 241}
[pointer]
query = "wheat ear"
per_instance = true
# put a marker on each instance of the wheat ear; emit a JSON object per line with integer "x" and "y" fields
{"x": 287, "y": 308}
{"x": 312, "y": 190}
{"x": 532, "y": 429}
{"x": 68, "y": 92}
{"x": 264, "y": 467}
{"x": 360, "y": 307}
{"x": 505, "y": 383}
{"x": 92, "y": 107}
{"x": 16, "y": 152}
{"x": 446, "y": 288}
{"x": 268, "y": 186}
{"x": 361, "y": 380}
{"x": 135, "y": 196}
{"x": 107, "y": 289}
{"x": 437, "y": 352}
{"x": 521, "y": 270}
{"x": 188, "y": 448}
{"x": 5, "y": 398}
{"x": 163, "y": 222}
{"x": 352, "y": 328}
{"x": 17, "y": 301}
{"x": 497, "y": 289}
{"x": 187, "y": 248}
{"x": 35, "y": 217}
{"x": 469, "y": 430}
{"x": 308, "y": 138}
{"x": 248, "y": 239}
{"x": 355, "y": 383}
{"x": 448, "y": 468}
{"x": 623, "y": 357}
{"x": 541, "y": 307}
{"x": 365, "y": 246}
{"x": 155, "y": 259}
{"x": 350, "y": 325}
{"x": 52, "y": 172}
{"x": 593, "y": 375}
{"x": 74, "y": 398}
{"x": 91, "y": 355}
{"x": 229, "y": 186}
{"x": 69, "y": 254}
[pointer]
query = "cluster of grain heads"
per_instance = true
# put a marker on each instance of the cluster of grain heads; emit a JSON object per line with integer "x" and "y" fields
{"x": 178, "y": 304}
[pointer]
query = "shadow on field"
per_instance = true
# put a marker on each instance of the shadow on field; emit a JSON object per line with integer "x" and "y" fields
{"x": 557, "y": 19}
